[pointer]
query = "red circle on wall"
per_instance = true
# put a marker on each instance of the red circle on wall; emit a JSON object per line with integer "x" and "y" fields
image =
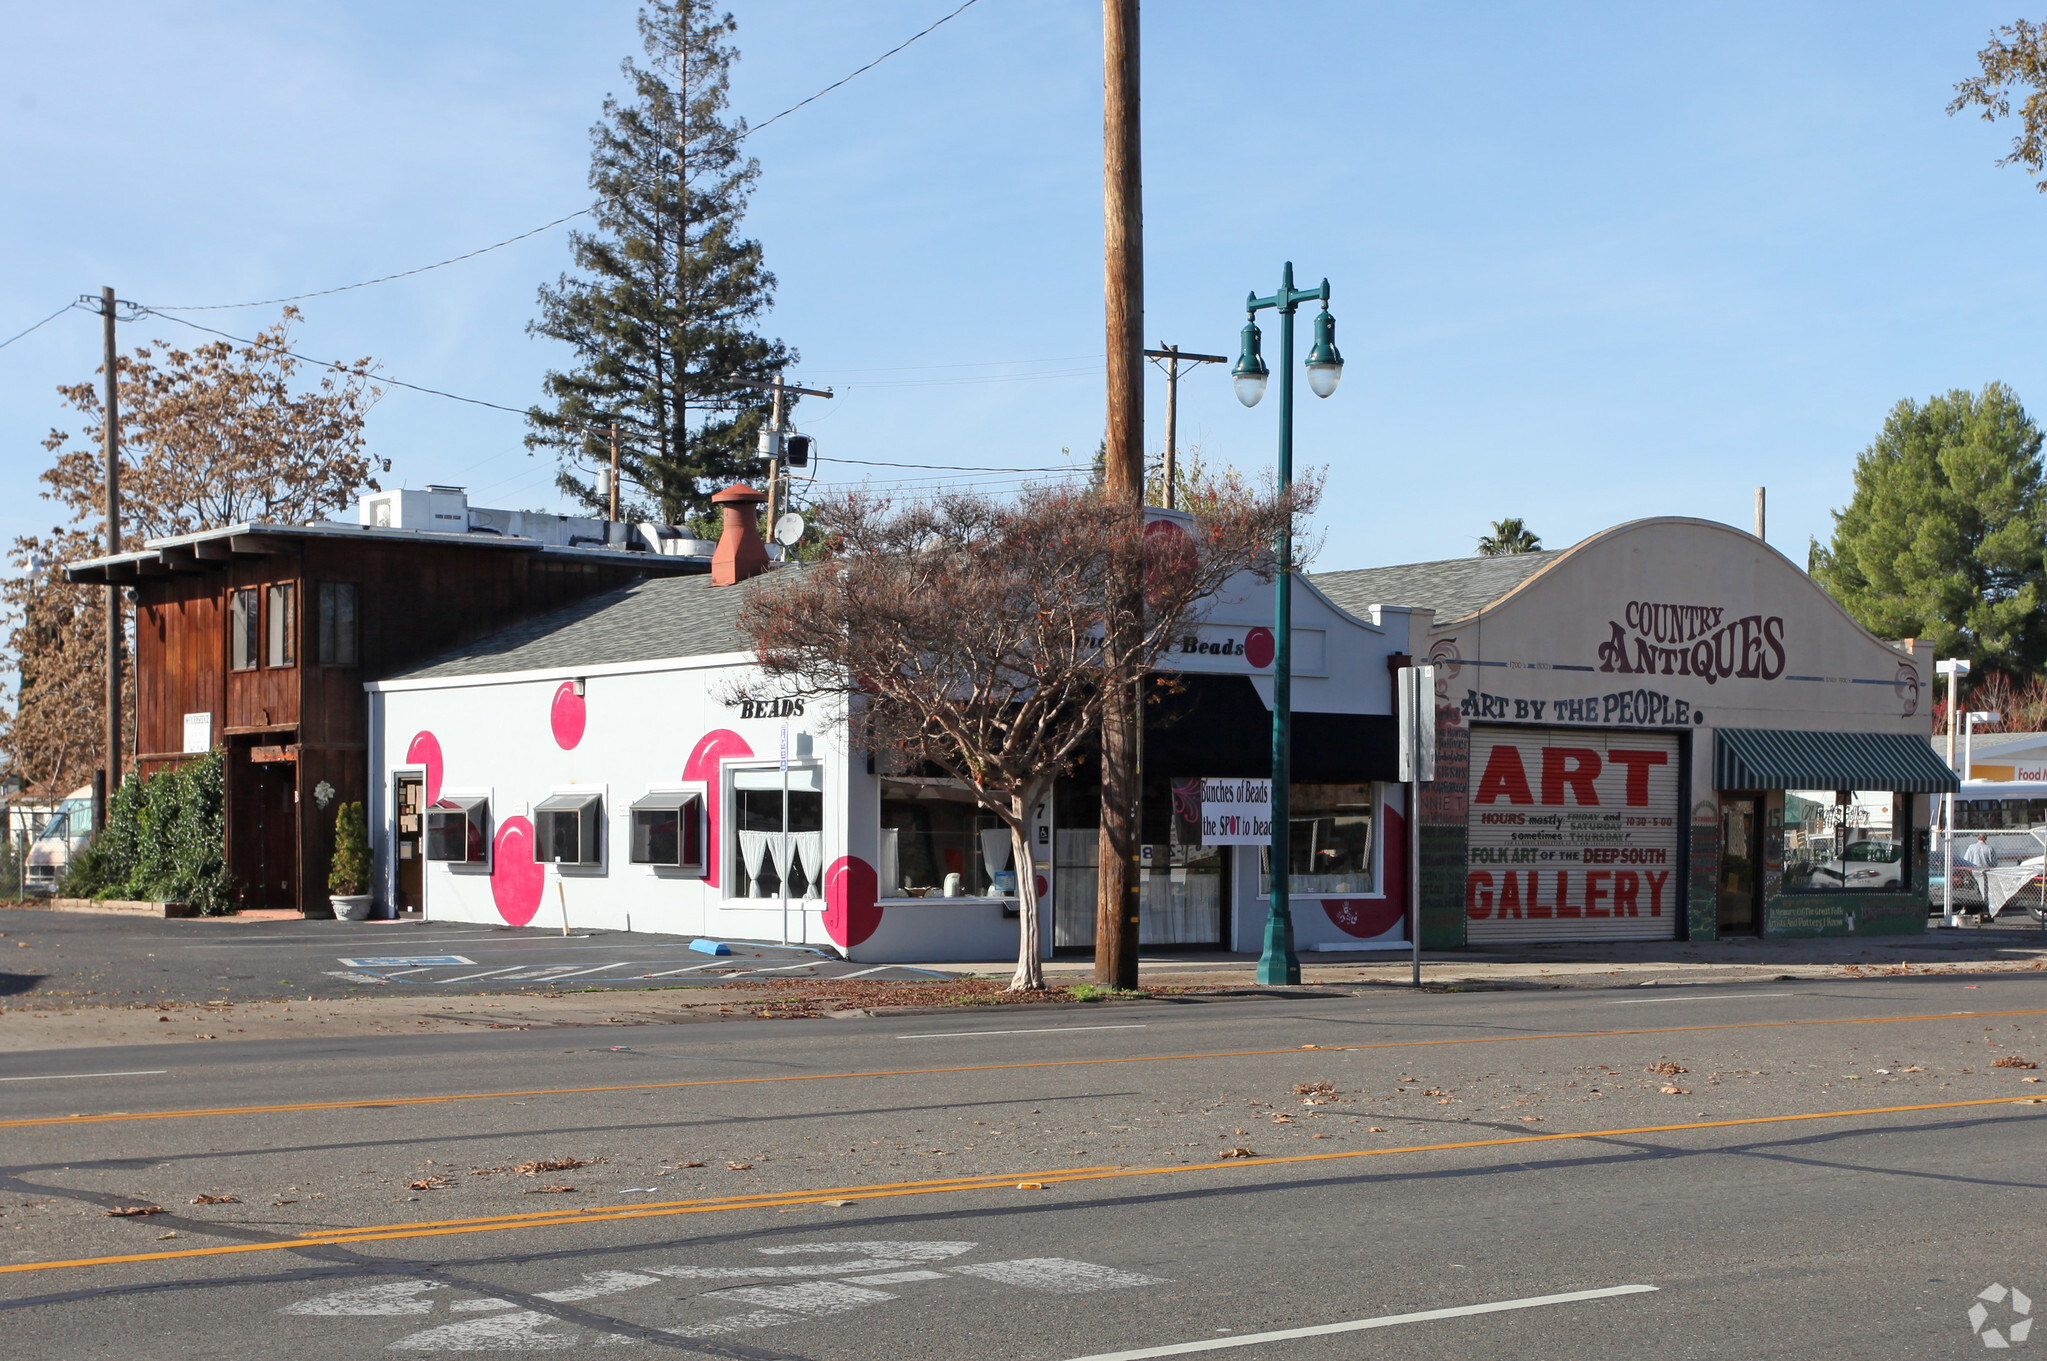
{"x": 425, "y": 750}
{"x": 851, "y": 911}
{"x": 1363, "y": 917}
{"x": 516, "y": 879}
{"x": 1258, "y": 647}
{"x": 567, "y": 716}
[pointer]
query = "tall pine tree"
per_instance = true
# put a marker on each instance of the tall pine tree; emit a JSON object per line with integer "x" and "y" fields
{"x": 661, "y": 315}
{"x": 1943, "y": 539}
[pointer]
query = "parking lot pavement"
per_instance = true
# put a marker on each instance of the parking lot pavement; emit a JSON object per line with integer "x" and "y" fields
{"x": 56, "y": 960}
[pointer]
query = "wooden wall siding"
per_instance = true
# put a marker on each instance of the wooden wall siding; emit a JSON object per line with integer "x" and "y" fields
{"x": 177, "y": 661}
{"x": 414, "y": 601}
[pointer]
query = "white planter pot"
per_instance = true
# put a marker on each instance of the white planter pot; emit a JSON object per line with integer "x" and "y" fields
{"x": 353, "y": 907}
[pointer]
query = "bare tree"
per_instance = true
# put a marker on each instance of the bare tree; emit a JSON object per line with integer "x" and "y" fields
{"x": 210, "y": 436}
{"x": 971, "y": 641}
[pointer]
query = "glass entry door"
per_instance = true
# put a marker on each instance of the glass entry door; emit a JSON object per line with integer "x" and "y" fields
{"x": 1741, "y": 857}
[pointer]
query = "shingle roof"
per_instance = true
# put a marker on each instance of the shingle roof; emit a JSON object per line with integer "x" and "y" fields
{"x": 647, "y": 621}
{"x": 1452, "y": 588}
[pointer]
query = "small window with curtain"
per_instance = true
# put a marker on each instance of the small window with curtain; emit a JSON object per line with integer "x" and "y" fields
{"x": 337, "y": 623}
{"x": 244, "y": 630}
{"x": 280, "y": 624}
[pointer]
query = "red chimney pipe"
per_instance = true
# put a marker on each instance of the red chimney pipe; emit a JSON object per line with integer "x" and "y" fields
{"x": 741, "y": 554}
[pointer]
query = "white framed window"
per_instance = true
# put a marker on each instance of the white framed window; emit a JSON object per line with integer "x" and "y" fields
{"x": 568, "y": 829}
{"x": 766, "y": 849}
{"x": 458, "y": 829}
{"x": 668, "y": 830}
{"x": 1333, "y": 841}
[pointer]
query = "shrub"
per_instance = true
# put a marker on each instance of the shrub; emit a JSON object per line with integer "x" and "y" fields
{"x": 351, "y": 868}
{"x": 165, "y": 841}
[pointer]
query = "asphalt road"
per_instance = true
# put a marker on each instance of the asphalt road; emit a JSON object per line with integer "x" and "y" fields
{"x": 1842, "y": 1170}
{"x": 66, "y": 959}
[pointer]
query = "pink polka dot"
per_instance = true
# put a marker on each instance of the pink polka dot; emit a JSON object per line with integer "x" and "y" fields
{"x": 1363, "y": 917}
{"x": 715, "y": 746}
{"x": 516, "y": 879}
{"x": 425, "y": 750}
{"x": 567, "y": 716}
{"x": 851, "y": 891}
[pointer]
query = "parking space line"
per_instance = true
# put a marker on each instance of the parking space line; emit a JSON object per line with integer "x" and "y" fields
{"x": 1215, "y": 1344}
{"x": 53, "y": 1077}
{"x": 487, "y": 973}
{"x": 192, "y": 1113}
{"x": 378, "y": 1233}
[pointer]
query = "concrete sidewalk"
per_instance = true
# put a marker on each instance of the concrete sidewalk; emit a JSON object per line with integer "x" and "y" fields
{"x": 1970, "y": 949}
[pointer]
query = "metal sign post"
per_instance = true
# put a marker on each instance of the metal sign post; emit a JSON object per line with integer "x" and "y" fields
{"x": 784, "y": 866}
{"x": 1417, "y": 736}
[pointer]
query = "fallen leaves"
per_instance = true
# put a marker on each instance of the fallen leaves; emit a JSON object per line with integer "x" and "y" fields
{"x": 1375, "y": 1129}
{"x": 1666, "y": 1068}
{"x": 1531, "y": 1119}
{"x": 1672, "y": 1089}
{"x": 546, "y": 1190}
{"x": 436, "y": 1182}
{"x": 1236, "y": 1153}
{"x": 2012, "y": 1061}
{"x": 130, "y": 1211}
{"x": 207, "y": 1198}
{"x": 738, "y": 1167}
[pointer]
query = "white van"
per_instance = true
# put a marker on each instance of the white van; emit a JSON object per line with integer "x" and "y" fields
{"x": 64, "y": 835}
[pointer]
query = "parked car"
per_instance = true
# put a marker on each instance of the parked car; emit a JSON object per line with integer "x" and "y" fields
{"x": 64, "y": 835}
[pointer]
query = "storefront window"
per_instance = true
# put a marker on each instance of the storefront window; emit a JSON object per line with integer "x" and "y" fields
{"x": 925, "y": 840}
{"x": 1330, "y": 840}
{"x": 762, "y": 842}
{"x": 1843, "y": 840}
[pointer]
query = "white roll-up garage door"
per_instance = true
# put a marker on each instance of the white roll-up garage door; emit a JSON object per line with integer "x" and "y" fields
{"x": 1573, "y": 836}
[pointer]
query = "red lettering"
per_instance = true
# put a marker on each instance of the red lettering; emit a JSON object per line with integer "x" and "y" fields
{"x": 1510, "y": 896}
{"x": 1536, "y": 906}
{"x": 1504, "y": 777}
{"x": 1626, "y": 886}
{"x": 1565, "y": 907}
{"x": 1638, "y": 763}
{"x": 1478, "y": 894}
{"x": 1595, "y": 892}
{"x": 1577, "y": 767}
{"x": 1657, "y": 879}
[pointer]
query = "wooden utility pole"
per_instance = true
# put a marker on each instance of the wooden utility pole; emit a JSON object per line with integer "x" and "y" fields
{"x": 1118, "y": 892}
{"x": 1174, "y": 357}
{"x": 113, "y": 432}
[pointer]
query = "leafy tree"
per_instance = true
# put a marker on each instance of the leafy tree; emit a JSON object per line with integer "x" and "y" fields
{"x": 2016, "y": 58}
{"x": 990, "y": 713}
{"x": 660, "y": 317}
{"x": 1942, "y": 539}
{"x": 1508, "y": 536}
{"x": 210, "y": 436}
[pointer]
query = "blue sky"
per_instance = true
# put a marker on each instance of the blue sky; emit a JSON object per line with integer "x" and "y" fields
{"x": 1591, "y": 262}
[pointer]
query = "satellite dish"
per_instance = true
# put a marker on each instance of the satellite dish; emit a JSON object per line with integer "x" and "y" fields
{"x": 789, "y": 529}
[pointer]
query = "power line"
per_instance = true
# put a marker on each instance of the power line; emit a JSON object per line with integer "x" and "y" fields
{"x": 39, "y": 325}
{"x": 402, "y": 274}
{"x": 385, "y": 379}
{"x": 520, "y": 411}
{"x": 512, "y": 240}
{"x": 862, "y": 71}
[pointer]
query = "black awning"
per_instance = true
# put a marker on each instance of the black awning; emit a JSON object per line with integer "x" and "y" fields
{"x": 1217, "y": 727}
{"x": 1781, "y": 758}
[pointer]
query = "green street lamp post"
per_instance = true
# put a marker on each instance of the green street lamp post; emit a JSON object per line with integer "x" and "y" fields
{"x": 1277, "y": 963}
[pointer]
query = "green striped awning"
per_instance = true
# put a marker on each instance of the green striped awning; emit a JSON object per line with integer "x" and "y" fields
{"x": 1778, "y": 758}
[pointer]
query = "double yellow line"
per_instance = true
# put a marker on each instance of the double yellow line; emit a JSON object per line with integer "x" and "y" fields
{"x": 374, "y": 1102}
{"x": 946, "y": 1186}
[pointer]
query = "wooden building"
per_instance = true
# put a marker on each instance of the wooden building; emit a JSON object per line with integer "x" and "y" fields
{"x": 258, "y": 639}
